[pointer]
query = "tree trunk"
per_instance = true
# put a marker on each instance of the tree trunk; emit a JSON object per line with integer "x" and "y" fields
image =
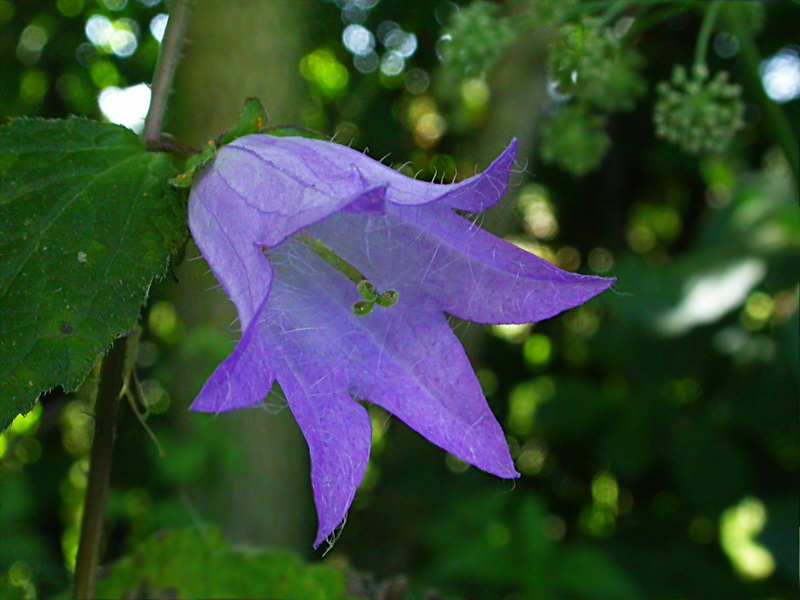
{"x": 236, "y": 49}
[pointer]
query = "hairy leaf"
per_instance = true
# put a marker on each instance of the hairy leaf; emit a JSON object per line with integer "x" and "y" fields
{"x": 87, "y": 221}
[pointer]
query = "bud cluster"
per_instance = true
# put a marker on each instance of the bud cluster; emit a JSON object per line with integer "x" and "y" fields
{"x": 589, "y": 63}
{"x": 698, "y": 112}
{"x": 475, "y": 39}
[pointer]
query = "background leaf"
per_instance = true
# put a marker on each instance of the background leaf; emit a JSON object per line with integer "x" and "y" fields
{"x": 87, "y": 221}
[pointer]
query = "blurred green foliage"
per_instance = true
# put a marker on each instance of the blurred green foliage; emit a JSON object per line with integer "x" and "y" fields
{"x": 198, "y": 563}
{"x": 655, "y": 428}
{"x": 591, "y": 63}
{"x": 475, "y": 39}
{"x": 575, "y": 139}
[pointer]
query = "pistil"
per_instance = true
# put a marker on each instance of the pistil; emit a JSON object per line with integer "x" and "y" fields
{"x": 366, "y": 289}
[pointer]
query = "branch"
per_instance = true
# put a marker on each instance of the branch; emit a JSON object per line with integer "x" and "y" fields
{"x": 105, "y": 425}
{"x": 166, "y": 65}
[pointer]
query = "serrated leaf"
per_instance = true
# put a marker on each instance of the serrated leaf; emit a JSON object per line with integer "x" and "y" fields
{"x": 87, "y": 221}
{"x": 200, "y": 564}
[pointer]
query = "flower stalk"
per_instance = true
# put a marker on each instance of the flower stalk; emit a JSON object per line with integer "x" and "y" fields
{"x": 703, "y": 39}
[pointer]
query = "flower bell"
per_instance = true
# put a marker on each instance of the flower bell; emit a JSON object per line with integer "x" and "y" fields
{"x": 342, "y": 270}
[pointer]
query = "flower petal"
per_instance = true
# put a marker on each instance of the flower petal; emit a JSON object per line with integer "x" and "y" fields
{"x": 220, "y": 229}
{"x": 404, "y": 358}
{"x": 297, "y": 165}
{"x": 485, "y": 189}
{"x": 423, "y": 377}
{"x": 471, "y": 274}
{"x": 338, "y": 432}
{"x": 280, "y": 191}
{"x": 243, "y": 379}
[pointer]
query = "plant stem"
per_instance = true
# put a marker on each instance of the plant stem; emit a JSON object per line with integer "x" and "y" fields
{"x": 166, "y": 65}
{"x": 105, "y": 424}
{"x": 652, "y": 14}
{"x": 774, "y": 116}
{"x": 112, "y": 373}
{"x": 706, "y": 28}
{"x": 613, "y": 10}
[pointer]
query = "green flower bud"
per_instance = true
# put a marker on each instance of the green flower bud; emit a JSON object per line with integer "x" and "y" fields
{"x": 590, "y": 63}
{"x": 753, "y": 14}
{"x": 552, "y": 12}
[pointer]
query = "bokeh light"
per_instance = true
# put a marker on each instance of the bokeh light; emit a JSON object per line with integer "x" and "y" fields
{"x": 738, "y": 528}
{"x": 158, "y": 26}
{"x": 781, "y": 75}
{"x": 126, "y": 106}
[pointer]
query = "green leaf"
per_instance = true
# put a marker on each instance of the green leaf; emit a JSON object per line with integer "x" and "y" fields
{"x": 252, "y": 119}
{"x": 200, "y": 564}
{"x": 87, "y": 221}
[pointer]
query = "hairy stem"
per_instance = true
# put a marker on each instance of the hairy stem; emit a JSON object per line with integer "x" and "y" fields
{"x": 166, "y": 65}
{"x": 105, "y": 425}
{"x": 774, "y": 117}
{"x": 706, "y": 29}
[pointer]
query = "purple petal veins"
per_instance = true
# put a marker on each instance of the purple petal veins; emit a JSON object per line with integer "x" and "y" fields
{"x": 296, "y": 310}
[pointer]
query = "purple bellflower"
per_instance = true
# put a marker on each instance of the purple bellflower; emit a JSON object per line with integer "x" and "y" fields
{"x": 342, "y": 270}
